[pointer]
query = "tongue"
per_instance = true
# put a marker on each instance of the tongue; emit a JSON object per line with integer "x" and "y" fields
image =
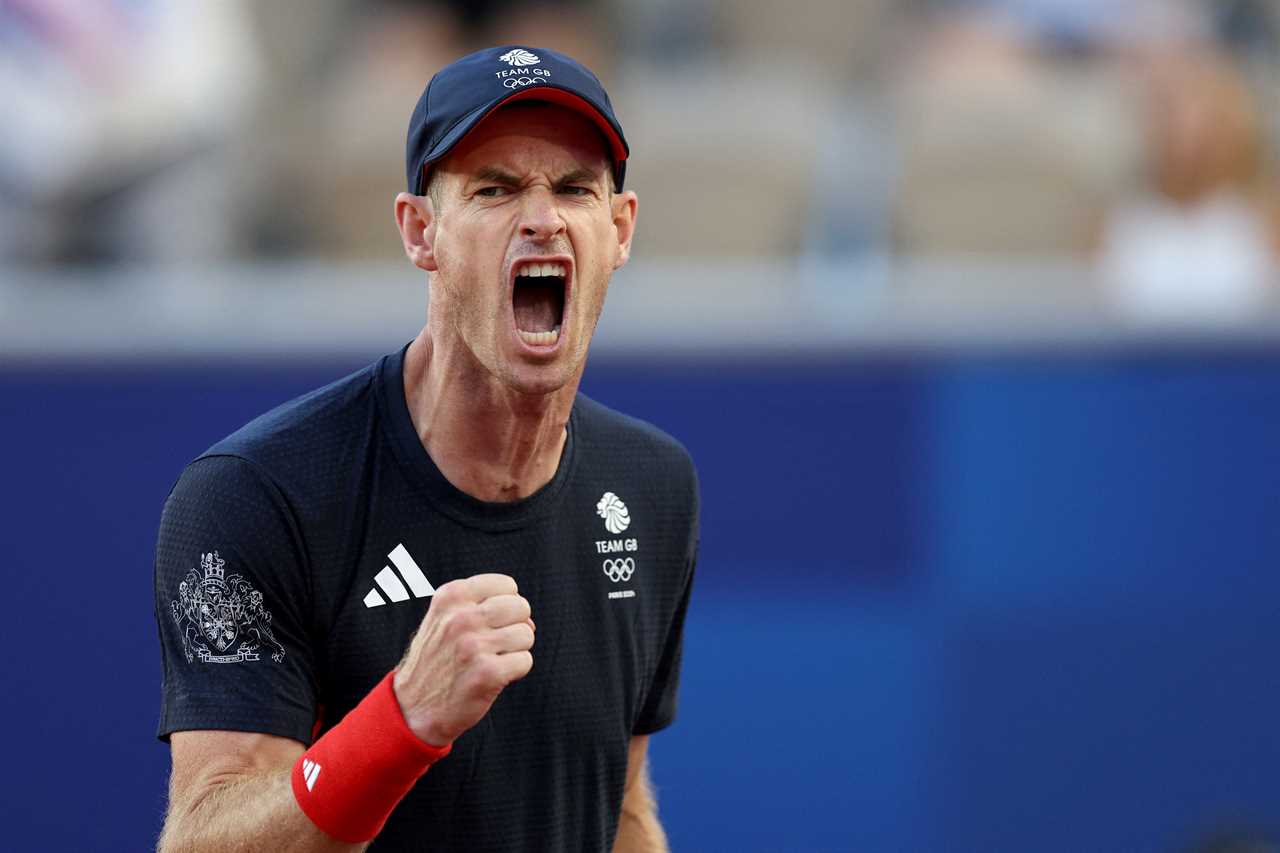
{"x": 538, "y": 306}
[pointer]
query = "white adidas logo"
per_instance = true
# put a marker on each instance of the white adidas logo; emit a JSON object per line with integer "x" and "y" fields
{"x": 390, "y": 583}
{"x": 310, "y": 772}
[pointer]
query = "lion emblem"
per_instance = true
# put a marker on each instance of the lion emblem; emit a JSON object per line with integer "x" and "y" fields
{"x": 520, "y": 58}
{"x": 614, "y": 512}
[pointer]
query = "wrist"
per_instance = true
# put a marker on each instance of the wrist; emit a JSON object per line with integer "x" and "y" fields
{"x": 422, "y": 723}
{"x": 352, "y": 778}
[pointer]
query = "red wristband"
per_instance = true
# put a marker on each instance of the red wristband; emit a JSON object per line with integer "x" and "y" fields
{"x": 349, "y": 781}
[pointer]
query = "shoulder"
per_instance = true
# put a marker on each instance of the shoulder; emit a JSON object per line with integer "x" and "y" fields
{"x": 285, "y": 453}
{"x": 254, "y": 490}
{"x": 601, "y": 426}
{"x": 608, "y": 435}
{"x": 301, "y": 433}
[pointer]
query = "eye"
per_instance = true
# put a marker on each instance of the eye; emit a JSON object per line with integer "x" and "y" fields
{"x": 573, "y": 189}
{"x": 492, "y": 191}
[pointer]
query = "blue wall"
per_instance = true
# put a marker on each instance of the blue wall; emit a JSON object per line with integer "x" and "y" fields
{"x": 963, "y": 602}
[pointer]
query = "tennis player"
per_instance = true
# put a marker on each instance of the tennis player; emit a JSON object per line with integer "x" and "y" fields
{"x": 439, "y": 604}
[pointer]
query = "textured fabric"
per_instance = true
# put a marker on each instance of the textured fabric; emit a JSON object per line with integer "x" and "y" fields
{"x": 275, "y": 543}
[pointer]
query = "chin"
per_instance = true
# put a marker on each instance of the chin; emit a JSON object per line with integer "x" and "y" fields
{"x": 537, "y": 380}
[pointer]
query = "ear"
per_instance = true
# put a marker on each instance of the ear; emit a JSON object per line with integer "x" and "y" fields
{"x": 416, "y": 218}
{"x": 624, "y": 223}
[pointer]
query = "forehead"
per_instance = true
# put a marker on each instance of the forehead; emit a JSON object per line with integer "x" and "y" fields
{"x": 531, "y": 135}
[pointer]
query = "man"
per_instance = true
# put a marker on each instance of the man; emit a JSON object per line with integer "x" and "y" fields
{"x": 371, "y": 563}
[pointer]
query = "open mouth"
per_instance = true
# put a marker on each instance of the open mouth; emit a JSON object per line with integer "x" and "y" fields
{"x": 537, "y": 301}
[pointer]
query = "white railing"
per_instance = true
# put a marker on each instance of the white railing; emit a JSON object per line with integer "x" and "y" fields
{"x": 657, "y": 308}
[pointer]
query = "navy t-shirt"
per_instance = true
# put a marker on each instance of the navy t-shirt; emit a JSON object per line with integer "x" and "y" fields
{"x": 297, "y": 556}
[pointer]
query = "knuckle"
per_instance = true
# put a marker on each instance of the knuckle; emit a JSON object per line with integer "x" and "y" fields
{"x": 446, "y": 594}
{"x": 469, "y": 647}
{"x": 448, "y": 625}
{"x": 467, "y": 620}
{"x": 472, "y": 617}
{"x": 454, "y": 625}
{"x": 488, "y": 673}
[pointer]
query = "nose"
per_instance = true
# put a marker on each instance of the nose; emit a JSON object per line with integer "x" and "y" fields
{"x": 540, "y": 218}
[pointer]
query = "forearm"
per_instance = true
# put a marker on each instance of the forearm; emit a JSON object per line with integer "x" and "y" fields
{"x": 246, "y": 813}
{"x": 639, "y": 830}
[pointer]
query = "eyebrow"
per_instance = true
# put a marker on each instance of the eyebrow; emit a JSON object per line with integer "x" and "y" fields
{"x": 578, "y": 176}
{"x": 494, "y": 175}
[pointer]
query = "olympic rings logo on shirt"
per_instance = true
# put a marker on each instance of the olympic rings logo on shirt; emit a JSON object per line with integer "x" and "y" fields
{"x": 620, "y": 569}
{"x": 517, "y": 82}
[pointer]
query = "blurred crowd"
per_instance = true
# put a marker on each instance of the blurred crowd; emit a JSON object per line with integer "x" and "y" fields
{"x": 1140, "y": 136}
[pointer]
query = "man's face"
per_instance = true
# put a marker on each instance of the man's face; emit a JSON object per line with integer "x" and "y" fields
{"x": 526, "y": 236}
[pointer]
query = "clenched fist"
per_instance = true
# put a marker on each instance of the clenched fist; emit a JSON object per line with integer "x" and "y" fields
{"x": 474, "y": 641}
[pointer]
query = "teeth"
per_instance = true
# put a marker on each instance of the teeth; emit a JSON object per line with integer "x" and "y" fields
{"x": 540, "y": 270}
{"x": 541, "y": 339}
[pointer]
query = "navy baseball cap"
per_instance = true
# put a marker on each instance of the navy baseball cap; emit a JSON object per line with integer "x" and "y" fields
{"x": 461, "y": 95}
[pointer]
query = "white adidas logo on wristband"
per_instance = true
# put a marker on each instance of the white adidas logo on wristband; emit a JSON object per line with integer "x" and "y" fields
{"x": 310, "y": 772}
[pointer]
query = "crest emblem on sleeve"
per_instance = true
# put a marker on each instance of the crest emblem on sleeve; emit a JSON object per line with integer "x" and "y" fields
{"x": 222, "y": 618}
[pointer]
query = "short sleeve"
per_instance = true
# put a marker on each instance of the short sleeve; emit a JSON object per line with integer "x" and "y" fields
{"x": 660, "y": 703}
{"x": 232, "y": 599}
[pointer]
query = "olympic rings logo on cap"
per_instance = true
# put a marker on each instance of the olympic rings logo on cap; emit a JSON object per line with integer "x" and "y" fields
{"x": 517, "y": 82}
{"x": 620, "y": 569}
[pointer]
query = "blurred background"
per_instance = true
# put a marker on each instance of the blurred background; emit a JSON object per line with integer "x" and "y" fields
{"x": 967, "y": 311}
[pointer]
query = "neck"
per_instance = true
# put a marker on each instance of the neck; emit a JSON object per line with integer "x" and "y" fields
{"x": 489, "y": 441}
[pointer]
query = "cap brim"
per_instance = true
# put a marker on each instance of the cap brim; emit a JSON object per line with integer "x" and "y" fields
{"x": 617, "y": 145}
